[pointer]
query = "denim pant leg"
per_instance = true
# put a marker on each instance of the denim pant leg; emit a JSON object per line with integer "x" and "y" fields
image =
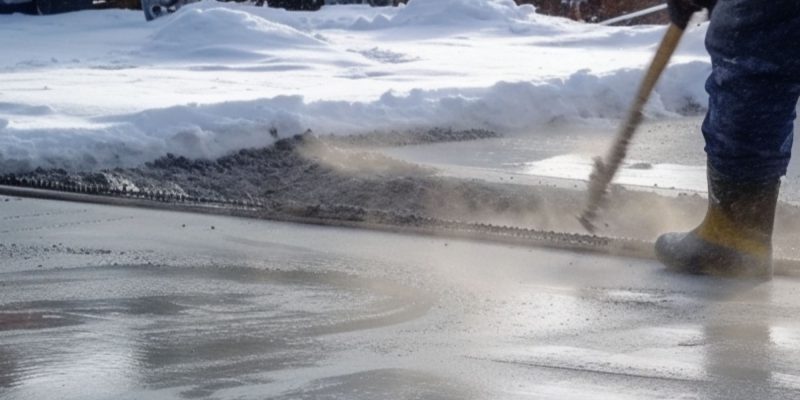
{"x": 753, "y": 87}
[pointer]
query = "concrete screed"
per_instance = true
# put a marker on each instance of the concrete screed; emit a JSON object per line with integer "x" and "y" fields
{"x": 101, "y": 302}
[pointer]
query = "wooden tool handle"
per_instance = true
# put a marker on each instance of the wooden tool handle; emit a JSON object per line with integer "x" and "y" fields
{"x": 605, "y": 169}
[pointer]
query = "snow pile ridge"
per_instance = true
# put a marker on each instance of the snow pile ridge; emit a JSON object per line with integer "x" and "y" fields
{"x": 524, "y": 107}
{"x": 452, "y": 14}
{"x": 213, "y": 130}
{"x": 444, "y": 11}
{"x": 203, "y": 26}
{"x": 127, "y": 91}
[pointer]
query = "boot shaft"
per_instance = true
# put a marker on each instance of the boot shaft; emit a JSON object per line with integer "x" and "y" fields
{"x": 741, "y": 215}
{"x": 734, "y": 239}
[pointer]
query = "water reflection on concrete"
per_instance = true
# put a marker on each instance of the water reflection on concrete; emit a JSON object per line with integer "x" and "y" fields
{"x": 217, "y": 328}
{"x": 255, "y": 310}
{"x": 8, "y": 366}
{"x": 235, "y": 332}
{"x": 384, "y": 384}
{"x": 739, "y": 353}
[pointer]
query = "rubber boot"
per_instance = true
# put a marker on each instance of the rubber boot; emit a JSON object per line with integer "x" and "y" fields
{"x": 735, "y": 238}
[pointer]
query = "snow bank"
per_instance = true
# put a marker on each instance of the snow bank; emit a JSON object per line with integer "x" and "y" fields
{"x": 213, "y": 130}
{"x": 23, "y": 109}
{"x": 451, "y": 13}
{"x": 217, "y": 32}
{"x": 437, "y": 14}
{"x": 217, "y": 77}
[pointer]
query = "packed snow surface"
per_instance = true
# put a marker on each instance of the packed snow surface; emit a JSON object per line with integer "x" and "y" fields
{"x": 105, "y": 88}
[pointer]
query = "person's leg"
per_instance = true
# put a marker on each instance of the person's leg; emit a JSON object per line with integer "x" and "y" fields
{"x": 753, "y": 89}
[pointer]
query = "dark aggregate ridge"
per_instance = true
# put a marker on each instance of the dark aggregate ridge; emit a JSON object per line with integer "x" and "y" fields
{"x": 345, "y": 175}
{"x": 310, "y": 170}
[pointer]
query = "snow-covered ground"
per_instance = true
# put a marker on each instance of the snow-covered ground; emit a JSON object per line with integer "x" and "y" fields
{"x": 105, "y": 88}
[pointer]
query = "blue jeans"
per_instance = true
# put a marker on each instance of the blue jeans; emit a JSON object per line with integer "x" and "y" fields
{"x": 754, "y": 87}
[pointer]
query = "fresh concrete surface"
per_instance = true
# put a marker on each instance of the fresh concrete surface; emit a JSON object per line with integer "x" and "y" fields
{"x": 100, "y": 302}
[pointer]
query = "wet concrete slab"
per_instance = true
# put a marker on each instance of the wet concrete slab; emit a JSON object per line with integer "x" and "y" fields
{"x": 104, "y": 302}
{"x": 666, "y": 156}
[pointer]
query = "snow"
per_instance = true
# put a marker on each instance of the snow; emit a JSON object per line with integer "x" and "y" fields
{"x": 222, "y": 33}
{"x": 105, "y": 88}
